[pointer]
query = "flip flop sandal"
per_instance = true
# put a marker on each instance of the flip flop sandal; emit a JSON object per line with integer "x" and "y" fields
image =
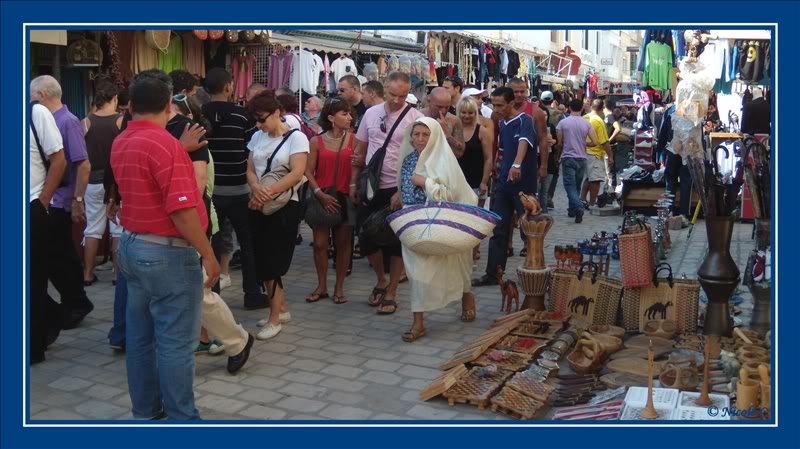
{"x": 404, "y": 279}
{"x": 387, "y": 302}
{"x": 412, "y": 335}
{"x": 314, "y": 297}
{"x": 377, "y": 296}
{"x": 339, "y": 299}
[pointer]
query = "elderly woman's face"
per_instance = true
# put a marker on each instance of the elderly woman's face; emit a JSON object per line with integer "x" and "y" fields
{"x": 312, "y": 106}
{"x": 420, "y": 136}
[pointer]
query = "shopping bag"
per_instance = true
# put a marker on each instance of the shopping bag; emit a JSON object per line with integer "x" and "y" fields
{"x": 663, "y": 299}
{"x": 636, "y": 255}
{"x": 592, "y": 298}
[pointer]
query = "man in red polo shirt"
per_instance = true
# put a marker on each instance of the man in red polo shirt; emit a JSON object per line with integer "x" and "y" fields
{"x": 165, "y": 222}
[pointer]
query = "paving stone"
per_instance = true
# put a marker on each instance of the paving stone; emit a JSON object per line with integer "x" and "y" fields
{"x": 422, "y": 360}
{"x": 263, "y": 413}
{"x": 301, "y": 404}
{"x": 312, "y": 342}
{"x": 70, "y": 384}
{"x": 308, "y": 365}
{"x": 382, "y": 365}
{"x": 338, "y": 383}
{"x": 220, "y": 404}
{"x": 390, "y": 417}
{"x": 303, "y": 390}
{"x": 267, "y": 383}
{"x": 273, "y": 358}
{"x": 103, "y": 392}
{"x": 343, "y": 412}
{"x": 55, "y": 414}
{"x": 99, "y": 409}
{"x": 311, "y": 354}
{"x": 382, "y": 354}
{"x": 303, "y": 377}
{"x": 339, "y": 397}
{"x": 221, "y": 388}
{"x": 304, "y": 417}
{"x": 343, "y": 371}
{"x": 281, "y": 348}
{"x": 418, "y": 371}
{"x": 416, "y": 384}
{"x": 380, "y": 377}
{"x": 259, "y": 396}
{"x": 425, "y": 412}
{"x": 418, "y": 349}
{"x": 345, "y": 348}
{"x": 347, "y": 359}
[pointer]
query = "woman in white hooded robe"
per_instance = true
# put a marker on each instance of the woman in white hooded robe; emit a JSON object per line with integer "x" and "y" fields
{"x": 429, "y": 171}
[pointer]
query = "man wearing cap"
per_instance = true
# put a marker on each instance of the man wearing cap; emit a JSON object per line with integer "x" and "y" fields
{"x": 477, "y": 95}
{"x": 454, "y": 86}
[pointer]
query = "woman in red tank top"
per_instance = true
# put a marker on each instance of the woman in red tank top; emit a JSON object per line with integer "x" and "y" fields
{"x": 321, "y": 171}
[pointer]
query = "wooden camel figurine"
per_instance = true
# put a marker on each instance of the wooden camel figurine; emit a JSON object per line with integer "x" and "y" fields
{"x": 509, "y": 291}
{"x": 530, "y": 204}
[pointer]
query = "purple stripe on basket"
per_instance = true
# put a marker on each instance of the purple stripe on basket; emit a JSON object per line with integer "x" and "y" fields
{"x": 467, "y": 209}
{"x": 448, "y": 223}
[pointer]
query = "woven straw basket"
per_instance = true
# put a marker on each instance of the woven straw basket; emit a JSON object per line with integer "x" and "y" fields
{"x": 663, "y": 299}
{"x": 589, "y": 296}
{"x": 442, "y": 229}
{"x": 636, "y": 257}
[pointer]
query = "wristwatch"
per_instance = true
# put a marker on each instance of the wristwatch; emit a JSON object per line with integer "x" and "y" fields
{"x": 516, "y": 165}
{"x": 78, "y": 199}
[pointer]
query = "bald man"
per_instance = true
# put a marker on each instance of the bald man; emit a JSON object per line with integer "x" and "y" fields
{"x": 439, "y": 101}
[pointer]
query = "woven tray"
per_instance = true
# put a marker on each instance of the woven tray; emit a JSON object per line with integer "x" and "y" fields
{"x": 516, "y": 343}
{"x": 516, "y": 404}
{"x": 498, "y": 376}
{"x": 513, "y": 362}
{"x": 470, "y": 392}
{"x": 530, "y": 387}
{"x": 529, "y": 328}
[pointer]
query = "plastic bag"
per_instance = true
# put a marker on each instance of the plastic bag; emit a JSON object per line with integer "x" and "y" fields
{"x": 393, "y": 64}
{"x": 405, "y": 64}
{"x": 371, "y": 71}
{"x": 692, "y": 92}
{"x": 687, "y": 138}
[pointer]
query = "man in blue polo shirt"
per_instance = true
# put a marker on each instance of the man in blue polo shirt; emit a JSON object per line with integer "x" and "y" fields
{"x": 518, "y": 173}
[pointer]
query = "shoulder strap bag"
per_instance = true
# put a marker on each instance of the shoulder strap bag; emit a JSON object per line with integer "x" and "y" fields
{"x": 369, "y": 179}
{"x": 271, "y": 177}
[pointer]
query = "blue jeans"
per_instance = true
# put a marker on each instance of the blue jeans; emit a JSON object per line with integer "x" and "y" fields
{"x": 116, "y": 336}
{"x": 544, "y": 191}
{"x": 572, "y": 171}
{"x": 165, "y": 297}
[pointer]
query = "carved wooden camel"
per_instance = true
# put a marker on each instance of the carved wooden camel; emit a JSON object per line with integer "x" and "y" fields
{"x": 509, "y": 291}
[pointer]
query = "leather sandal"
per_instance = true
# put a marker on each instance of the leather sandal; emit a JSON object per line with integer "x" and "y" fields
{"x": 339, "y": 299}
{"x": 314, "y": 297}
{"x": 384, "y": 303}
{"x": 376, "y": 297}
{"x": 413, "y": 334}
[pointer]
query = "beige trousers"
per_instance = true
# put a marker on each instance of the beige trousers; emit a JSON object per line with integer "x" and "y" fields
{"x": 218, "y": 320}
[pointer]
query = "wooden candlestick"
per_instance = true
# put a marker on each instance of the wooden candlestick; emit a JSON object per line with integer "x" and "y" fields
{"x": 649, "y": 411}
{"x": 704, "y": 400}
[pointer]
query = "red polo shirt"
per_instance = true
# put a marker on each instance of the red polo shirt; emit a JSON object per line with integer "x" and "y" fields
{"x": 155, "y": 178}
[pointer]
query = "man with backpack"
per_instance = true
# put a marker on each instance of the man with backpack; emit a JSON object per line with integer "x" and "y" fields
{"x": 47, "y": 168}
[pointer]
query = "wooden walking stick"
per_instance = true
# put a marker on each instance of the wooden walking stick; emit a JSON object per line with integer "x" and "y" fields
{"x": 649, "y": 411}
{"x": 704, "y": 400}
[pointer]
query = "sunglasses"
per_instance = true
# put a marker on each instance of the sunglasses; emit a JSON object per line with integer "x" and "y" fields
{"x": 383, "y": 123}
{"x": 262, "y": 119}
{"x": 181, "y": 98}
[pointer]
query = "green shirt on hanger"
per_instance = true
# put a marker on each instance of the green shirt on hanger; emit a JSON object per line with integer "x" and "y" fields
{"x": 658, "y": 66}
{"x": 173, "y": 58}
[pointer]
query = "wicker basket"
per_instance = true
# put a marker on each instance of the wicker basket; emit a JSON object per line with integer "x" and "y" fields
{"x": 663, "y": 299}
{"x": 594, "y": 298}
{"x": 442, "y": 229}
{"x": 636, "y": 255}
{"x": 158, "y": 39}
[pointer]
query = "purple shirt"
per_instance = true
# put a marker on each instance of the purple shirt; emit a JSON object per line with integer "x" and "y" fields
{"x": 575, "y": 130}
{"x": 75, "y": 151}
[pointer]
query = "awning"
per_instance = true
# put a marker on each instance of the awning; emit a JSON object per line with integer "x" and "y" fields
{"x": 343, "y": 41}
{"x": 52, "y": 37}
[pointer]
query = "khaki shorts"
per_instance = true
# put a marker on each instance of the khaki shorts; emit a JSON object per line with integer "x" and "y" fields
{"x": 595, "y": 169}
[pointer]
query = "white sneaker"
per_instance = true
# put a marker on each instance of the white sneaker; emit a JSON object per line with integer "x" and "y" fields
{"x": 283, "y": 317}
{"x": 224, "y": 281}
{"x": 269, "y": 331}
{"x": 216, "y": 347}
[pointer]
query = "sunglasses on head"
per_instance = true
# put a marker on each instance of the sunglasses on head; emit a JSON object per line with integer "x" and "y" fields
{"x": 181, "y": 98}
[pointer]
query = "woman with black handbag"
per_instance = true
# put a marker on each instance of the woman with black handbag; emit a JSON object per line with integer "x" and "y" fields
{"x": 275, "y": 173}
{"x": 329, "y": 206}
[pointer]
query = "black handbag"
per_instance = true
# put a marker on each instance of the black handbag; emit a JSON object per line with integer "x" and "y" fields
{"x": 376, "y": 228}
{"x": 368, "y": 181}
{"x": 316, "y": 214}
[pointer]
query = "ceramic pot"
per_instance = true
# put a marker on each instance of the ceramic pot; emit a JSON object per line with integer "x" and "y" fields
{"x": 718, "y": 276}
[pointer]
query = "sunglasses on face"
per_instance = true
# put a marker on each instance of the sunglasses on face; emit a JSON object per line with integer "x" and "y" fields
{"x": 262, "y": 119}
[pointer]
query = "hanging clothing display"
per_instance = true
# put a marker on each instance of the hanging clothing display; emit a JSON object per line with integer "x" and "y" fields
{"x": 243, "y": 66}
{"x": 280, "y": 69}
{"x": 658, "y": 66}
{"x": 343, "y": 66}
{"x": 124, "y": 53}
{"x": 144, "y": 57}
{"x": 305, "y": 72}
{"x": 752, "y": 59}
{"x": 193, "y": 60}
{"x": 172, "y": 59}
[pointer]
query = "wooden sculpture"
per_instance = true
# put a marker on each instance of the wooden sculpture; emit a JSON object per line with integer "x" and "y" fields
{"x": 649, "y": 411}
{"x": 704, "y": 400}
{"x": 509, "y": 292}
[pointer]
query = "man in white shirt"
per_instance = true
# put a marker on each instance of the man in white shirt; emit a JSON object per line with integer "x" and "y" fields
{"x": 45, "y": 177}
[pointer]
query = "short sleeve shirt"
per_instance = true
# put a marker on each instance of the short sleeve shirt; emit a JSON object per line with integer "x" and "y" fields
{"x": 512, "y": 132}
{"x": 599, "y": 126}
{"x": 575, "y": 131}
{"x": 155, "y": 178}
{"x": 262, "y": 146}
{"x": 50, "y": 138}
{"x": 370, "y": 131}
{"x": 75, "y": 151}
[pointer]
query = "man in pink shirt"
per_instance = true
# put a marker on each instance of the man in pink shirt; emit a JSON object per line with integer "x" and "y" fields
{"x": 383, "y": 126}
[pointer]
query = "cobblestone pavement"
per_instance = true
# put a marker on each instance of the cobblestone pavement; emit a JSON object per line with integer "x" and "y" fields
{"x": 332, "y": 361}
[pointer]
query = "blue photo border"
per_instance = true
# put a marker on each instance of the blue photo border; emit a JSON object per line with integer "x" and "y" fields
{"x": 404, "y": 15}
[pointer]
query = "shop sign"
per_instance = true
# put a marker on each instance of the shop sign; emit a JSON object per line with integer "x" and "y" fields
{"x": 606, "y": 61}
